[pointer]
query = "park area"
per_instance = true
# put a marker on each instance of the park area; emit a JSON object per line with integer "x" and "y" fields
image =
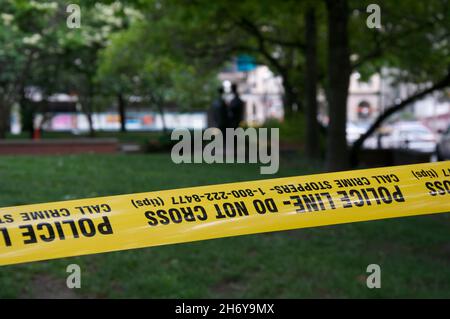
{"x": 322, "y": 262}
{"x": 115, "y": 97}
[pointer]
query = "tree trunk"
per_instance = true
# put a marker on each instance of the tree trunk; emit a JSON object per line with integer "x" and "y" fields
{"x": 5, "y": 113}
{"x": 289, "y": 98}
{"x": 87, "y": 110}
{"x": 27, "y": 114}
{"x": 161, "y": 112}
{"x": 4, "y": 116}
{"x": 339, "y": 75}
{"x": 159, "y": 103}
{"x": 312, "y": 126}
{"x": 91, "y": 124}
{"x": 122, "y": 112}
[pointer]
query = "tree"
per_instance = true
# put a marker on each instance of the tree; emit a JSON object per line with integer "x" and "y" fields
{"x": 414, "y": 44}
{"x": 441, "y": 84}
{"x": 311, "y": 81}
{"x": 422, "y": 26}
{"x": 272, "y": 32}
{"x": 25, "y": 29}
{"x": 82, "y": 48}
{"x": 338, "y": 81}
{"x": 39, "y": 50}
{"x": 281, "y": 35}
{"x": 138, "y": 68}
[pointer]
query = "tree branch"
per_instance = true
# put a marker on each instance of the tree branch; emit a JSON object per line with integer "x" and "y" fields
{"x": 357, "y": 145}
{"x": 381, "y": 44}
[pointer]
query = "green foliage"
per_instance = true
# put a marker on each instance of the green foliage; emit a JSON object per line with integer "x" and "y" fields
{"x": 135, "y": 63}
{"x": 211, "y": 33}
{"x": 414, "y": 39}
{"x": 169, "y": 52}
{"x": 292, "y": 129}
{"x": 38, "y": 49}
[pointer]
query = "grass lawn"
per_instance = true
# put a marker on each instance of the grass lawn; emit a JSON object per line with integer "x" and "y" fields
{"x": 414, "y": 253}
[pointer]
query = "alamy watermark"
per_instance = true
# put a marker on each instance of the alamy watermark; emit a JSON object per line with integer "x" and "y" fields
{"x": 73, "y": 20}
{"x": 374, "y": 19}
{"x": 238, "y": 145}
{"x": 374, "y": 279}
{"x": 74, "y": 279}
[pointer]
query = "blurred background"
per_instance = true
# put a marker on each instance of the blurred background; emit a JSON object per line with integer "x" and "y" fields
{"x": 91, "y": 90}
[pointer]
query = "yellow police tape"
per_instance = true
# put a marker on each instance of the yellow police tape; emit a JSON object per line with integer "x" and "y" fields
{"x": 86, "y": 226}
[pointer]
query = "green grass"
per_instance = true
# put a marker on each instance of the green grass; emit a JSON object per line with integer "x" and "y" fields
{"x": 414, "y": 253}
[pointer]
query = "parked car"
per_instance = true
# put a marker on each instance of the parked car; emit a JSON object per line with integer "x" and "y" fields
{"x": 356, "y": 129}
{"x": 443, "y": 147}
{"x": 411, "y": 135}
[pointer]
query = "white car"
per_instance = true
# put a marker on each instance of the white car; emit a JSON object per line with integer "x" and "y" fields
{"x": 355, "y": 130}
{"x": 443, "y": 147}
{"x": 411, "y": 135}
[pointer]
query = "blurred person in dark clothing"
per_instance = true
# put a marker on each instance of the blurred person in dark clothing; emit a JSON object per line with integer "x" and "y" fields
{"x": 220, "y": 112}
{"x": 236, "y": 108}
